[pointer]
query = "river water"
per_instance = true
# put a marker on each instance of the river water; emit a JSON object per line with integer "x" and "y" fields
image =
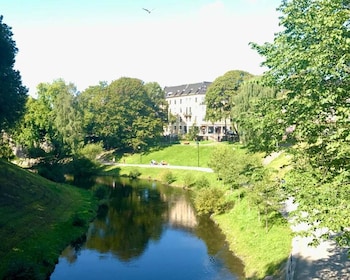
{"x": 145, "y": 230}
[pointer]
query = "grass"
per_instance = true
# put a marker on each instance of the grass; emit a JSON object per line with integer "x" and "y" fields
{"x": 38, "y": 219}
{"x": 157, "y": 174}
{"x": 263, "y": 253}
{"x": 179, "y": 154}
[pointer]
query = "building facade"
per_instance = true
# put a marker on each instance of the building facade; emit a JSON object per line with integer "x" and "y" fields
{"x": 186, "y": 104}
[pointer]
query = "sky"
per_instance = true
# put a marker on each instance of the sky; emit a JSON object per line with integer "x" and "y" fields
{"x": 179, "y": 42}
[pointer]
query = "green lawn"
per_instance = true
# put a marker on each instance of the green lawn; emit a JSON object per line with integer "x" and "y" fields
{"x": 180, "y": 154}
{"x": 36, "y": 219}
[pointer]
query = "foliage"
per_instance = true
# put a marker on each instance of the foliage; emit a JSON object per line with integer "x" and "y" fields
{"x": 5, "y": 148}
{"x": 209, "y": 201}
{"x": 233, "y": 165}
{"x": 263, "y": 194}
{"x": 12, "y": 93}
{"x": 193, "y": 132}
{"x": 91, "y": 151}
{"x": 134, "y": 174}
{"x": 218, "y": 98}
{"x": 82, "y": 167}
{"x": 247, "y": 110}
{"x": 168, "y": 177}
{"x": 188, "y": 180}
{"x": 309, "y": 62}
{"x": 125, "y": 114}
{"x": 52, "y": 121}
{"x": 202, "y": 182}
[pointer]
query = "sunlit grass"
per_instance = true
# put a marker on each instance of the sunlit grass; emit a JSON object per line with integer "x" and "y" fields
{"x": 263, "y": 253}
{"x": 181, "y": 154}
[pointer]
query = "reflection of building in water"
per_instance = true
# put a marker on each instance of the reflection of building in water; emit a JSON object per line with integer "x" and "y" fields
{"x": 181, "y": 214}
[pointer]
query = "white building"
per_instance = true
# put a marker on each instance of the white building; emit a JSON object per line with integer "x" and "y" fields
{"x": 186, "y": 103}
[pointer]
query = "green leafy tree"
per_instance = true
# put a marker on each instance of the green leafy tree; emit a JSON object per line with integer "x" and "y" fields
{"x": 52, "y": 122}
{"x": 13, "y": 94}
{"x": 219, "y": 96}
{"x": 248, "y": 104}
{"x": 309, "y": 61}
{"x": 125, "y": 114}
{"x": 157, "y": 96}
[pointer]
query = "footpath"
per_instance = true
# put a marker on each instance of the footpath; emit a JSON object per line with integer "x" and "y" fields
{"x": 203, "y": 169}
{"x": 327, "y": 261}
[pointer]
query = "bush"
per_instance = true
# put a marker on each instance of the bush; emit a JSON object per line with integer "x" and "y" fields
{"x": 53, "y": 171}
{"x": 189, "y": 180}
{"x": 202, "y": 182}
{"x": 91, "y": 151}
{"x": 134, "y": 174}
{"x": 209, "y": 201}
{"x": 168, "y": 177}
{"x": 82, "y": 167}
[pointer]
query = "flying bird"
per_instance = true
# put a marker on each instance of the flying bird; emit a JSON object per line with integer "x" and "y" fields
{"x": 148, "y": 11}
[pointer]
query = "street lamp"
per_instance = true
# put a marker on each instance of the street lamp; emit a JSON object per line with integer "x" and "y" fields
{"x": 197, "y": 142}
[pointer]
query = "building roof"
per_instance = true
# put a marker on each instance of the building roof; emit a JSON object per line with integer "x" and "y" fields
{"x": 188, "y": 89}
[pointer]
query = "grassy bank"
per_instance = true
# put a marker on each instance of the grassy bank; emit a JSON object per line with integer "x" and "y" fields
{"x": 264, "y": 253}
{"x": 38, "y": 219}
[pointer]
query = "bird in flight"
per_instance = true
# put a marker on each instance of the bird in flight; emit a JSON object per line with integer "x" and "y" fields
{"x": 148, "y": 11}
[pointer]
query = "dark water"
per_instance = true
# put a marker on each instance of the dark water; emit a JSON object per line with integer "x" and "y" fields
{"x": 148, "y": 231}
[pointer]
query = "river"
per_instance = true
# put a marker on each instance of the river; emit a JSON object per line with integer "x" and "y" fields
{"x": 145, "y": 230}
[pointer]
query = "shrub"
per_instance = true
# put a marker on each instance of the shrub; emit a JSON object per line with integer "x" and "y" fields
{"x": 189, "y": 180}
{"x": 134, "y": 174}
{"x": 209, "y": 201}
{"x": 82, "y": 167}
{"x": 91, "y": 151}
{"x": 202, "y": 182}
{"x": 168, "y": 177}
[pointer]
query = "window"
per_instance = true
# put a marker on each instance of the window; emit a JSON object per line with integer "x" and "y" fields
{"x": 195, "y": 100}
{"x": 180, "y": 101}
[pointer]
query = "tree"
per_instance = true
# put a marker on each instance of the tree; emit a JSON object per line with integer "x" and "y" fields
{"x": 125, "y": 114}
{"x": 219, "y": 96}
{"x": 52, "y": 120}
{"x": 247, "y": 111}
{"x": 12, "y": 93}
{"x": 309, "y": 61}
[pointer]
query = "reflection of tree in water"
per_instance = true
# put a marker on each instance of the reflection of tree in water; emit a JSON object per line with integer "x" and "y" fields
{"x": 214, "y": 240}
{"x": 134, "y": 217}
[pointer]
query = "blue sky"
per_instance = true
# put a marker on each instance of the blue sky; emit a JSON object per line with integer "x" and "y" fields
{"x": 179, "y": 42}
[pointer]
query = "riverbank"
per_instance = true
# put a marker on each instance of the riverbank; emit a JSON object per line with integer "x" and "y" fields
{"x": 38, "y": 219}
{"x": 264, "y": 253}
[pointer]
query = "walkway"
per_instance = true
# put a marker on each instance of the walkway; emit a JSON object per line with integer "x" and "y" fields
{"x": 325, "y": 262}
{"x": 195, "y": 168}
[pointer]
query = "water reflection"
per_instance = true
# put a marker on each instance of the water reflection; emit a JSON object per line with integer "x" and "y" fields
{"x": 141, "y": 226}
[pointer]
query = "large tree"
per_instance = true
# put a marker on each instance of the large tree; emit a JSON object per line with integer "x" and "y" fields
{"x": 125, "y": 114}
{"x": 52, "y": 121}
{"x": 309, "y": 61}
{"x": 12, "y": 93}
{"x": 219, "y": 96}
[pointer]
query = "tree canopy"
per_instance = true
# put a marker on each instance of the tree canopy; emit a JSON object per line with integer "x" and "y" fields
{"x": 12, "y": 93}
{"x": 219, "y": 96}
{"x": 309, "y": 62}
